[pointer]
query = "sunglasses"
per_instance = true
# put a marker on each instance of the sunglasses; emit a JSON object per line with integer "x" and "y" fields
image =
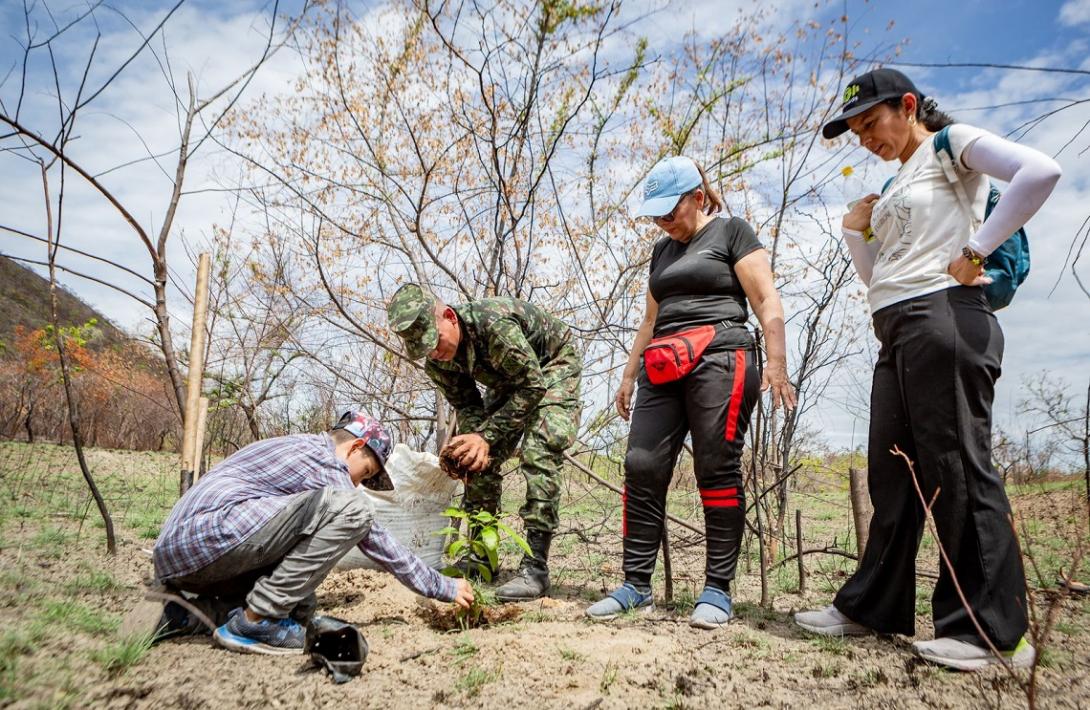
{"x": 669, "y": 216}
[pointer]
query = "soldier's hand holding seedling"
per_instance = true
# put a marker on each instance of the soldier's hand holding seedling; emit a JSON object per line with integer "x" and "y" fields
{"x": 471, "y": 450}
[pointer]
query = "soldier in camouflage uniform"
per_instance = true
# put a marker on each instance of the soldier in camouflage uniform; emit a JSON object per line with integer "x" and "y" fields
{"x": 530, "y": 368}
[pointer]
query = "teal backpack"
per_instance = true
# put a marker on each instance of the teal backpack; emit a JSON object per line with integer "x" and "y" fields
{"x": 1008, "y": 265}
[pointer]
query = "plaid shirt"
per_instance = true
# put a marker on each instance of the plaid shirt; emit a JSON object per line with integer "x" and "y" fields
{"x": 248, "y": 488}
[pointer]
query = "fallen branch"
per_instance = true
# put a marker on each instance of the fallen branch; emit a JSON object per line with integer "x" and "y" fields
{"x": 816, "y": 551}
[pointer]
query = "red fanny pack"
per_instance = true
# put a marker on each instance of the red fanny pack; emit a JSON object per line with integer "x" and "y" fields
{"x": 671, "y": 357}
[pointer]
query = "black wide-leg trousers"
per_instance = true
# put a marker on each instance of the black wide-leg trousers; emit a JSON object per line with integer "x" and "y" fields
{"x": 932, "y": 397}
{"x": 713, "y": 402}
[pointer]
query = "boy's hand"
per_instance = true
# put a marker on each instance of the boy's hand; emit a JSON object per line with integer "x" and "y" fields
{"x": 471, "y": 450}
{"x": 463, "y": 593}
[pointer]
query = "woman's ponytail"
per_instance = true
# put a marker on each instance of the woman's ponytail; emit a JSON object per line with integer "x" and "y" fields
{"x": 713, "y": 201}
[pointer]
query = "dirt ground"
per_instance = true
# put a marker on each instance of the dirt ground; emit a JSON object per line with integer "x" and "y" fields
{"x": 61, "y": 598}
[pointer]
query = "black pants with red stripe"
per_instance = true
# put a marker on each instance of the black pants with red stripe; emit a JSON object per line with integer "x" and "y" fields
{"x": 713, "y": 403}
{"x": 932, "y": 397}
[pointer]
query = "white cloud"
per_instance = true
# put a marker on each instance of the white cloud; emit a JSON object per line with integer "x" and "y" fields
{"x": 1075, "y": 12}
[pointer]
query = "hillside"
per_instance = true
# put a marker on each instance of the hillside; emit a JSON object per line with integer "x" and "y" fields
{"x": 24, "y": 300}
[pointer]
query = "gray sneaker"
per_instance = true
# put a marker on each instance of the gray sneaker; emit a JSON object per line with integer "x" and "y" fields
{"x": 829, "y": 622}
{"x": 964, "y": 656}
{"x": 713, "y": 609}
{"x": 624, "y": 598}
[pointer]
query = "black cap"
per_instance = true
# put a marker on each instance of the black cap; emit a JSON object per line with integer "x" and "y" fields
{"x": 866, "y": 91}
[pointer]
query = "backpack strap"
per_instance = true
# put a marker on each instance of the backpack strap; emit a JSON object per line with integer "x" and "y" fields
{"x": 941, "y": 143}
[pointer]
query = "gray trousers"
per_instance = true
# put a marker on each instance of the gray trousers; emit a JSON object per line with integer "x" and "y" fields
{"x": 276, "y": 569}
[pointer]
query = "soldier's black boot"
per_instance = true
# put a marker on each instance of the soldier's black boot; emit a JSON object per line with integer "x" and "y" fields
{"x": 532, "y": 580}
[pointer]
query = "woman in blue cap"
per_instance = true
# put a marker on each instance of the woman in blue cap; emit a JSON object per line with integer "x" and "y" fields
{"x": 921, "y": 249}
{"x": 699, "y": 377}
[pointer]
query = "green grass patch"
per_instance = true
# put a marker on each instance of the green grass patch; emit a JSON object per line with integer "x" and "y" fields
{"x": 834, "y": 645}
{"x": 50, "y": 541}
{"x": 609, "y": 677}
{"x": 571, "y": 655}
{"x": 93, "y": 580}
{"x": 65, "y": 615}
{"x": 121, "y": 655}
{"x": 475, "y": 679}
{"x": 684, "y": 601}
{"x": 464, "y": 649}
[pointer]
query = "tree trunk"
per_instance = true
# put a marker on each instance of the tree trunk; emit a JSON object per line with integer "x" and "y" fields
{"x": 62, "y": 355}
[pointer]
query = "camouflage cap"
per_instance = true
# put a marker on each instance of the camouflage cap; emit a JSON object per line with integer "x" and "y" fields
{"x": 411, "y": 314}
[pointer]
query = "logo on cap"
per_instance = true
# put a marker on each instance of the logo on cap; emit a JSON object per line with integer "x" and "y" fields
{"x": 851, "y": 93}
{"x": 650, "y": 187}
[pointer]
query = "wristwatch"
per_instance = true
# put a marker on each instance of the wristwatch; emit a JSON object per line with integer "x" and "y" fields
{"x": 972, "y": 256}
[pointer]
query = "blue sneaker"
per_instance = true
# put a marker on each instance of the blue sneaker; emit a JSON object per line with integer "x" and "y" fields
{"x": 712, "y": 610}
{"x": 273, "y": 637}
{"x": 624, "y": 598}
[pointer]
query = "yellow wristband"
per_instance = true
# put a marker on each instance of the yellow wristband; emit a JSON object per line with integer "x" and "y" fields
{"x": 868, "y": 235}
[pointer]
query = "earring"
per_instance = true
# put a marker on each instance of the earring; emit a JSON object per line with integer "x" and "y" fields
{"x": 912, "y": 120}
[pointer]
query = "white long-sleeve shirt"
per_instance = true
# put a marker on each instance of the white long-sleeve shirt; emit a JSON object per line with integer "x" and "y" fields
{"x": 920, "y": 226}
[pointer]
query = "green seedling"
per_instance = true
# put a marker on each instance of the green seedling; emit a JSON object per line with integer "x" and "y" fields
{"x": 478, "y": 540}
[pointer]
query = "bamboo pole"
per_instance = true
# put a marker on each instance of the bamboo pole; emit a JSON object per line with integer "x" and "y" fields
{"x": 198, "y": 441}
{"x": 195, "y": 374}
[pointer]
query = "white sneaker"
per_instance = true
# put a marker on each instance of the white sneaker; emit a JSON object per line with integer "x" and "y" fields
{"x": 965, "y": 656}
{"x": 829, "y": 622}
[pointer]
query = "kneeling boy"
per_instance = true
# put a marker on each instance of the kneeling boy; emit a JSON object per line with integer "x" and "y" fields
{"x": 259, "y": 532}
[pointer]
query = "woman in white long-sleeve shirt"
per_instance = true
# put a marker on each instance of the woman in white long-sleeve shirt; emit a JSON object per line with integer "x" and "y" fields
{"x": 941, "y": 351}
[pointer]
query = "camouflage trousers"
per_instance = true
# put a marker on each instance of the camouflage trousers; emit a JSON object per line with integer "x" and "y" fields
{"x": 551, "y": 428}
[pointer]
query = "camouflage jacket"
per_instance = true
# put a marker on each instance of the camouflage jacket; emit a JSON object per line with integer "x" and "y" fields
{"x": 506, "y": 346}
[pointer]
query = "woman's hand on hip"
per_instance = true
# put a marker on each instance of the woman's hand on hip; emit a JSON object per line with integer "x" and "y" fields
{"x": 774, "y": 379}
{"x": 858, "y": 218}
{"x": 967, "y": 273}
{"x": 623, "y": 400}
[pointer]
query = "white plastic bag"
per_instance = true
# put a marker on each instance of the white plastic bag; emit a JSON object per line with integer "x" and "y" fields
{"x": 413, "y": 511}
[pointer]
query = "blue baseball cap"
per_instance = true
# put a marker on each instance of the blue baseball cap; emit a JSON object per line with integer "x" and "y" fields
{"x": 666, "y": 183}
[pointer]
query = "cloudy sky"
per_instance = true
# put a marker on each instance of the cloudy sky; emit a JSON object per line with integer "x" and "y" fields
{"x": 1048, "y": 328}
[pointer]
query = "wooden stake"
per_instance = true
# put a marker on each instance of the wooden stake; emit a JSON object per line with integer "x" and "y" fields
{"x": 798, "y": 546}
{"x": 667, "y": 565}
{"x": 196, "y": 372}
{"x": 861, "y": 508}
{"x": 198, "y": 440}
